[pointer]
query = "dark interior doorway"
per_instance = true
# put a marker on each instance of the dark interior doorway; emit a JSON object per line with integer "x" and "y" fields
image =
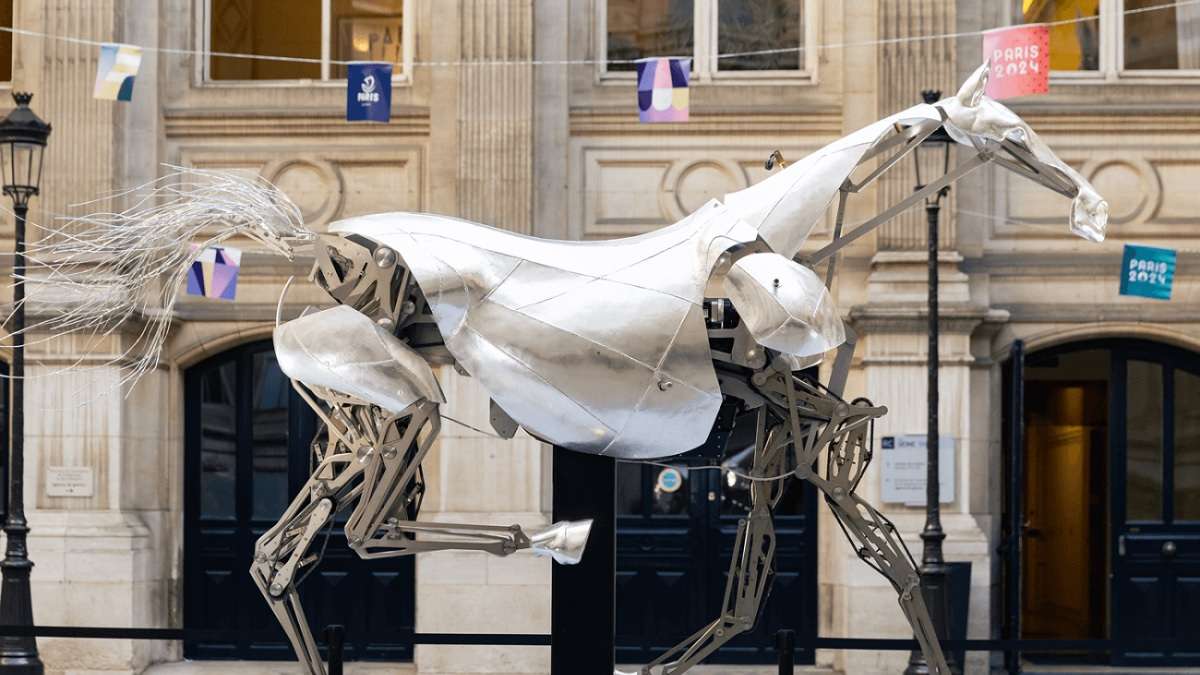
{"x": 1064, "y": 561}
{"x": 1107, "y": 486}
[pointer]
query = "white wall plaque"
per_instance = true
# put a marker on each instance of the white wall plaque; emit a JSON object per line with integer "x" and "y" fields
{"x": 70, "y": 481}
{"x": 904, "y": 461}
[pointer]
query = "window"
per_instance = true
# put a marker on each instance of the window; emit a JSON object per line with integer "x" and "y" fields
{"x": 324, "y": 30}
{"x": 6, "y": 41}
{"x": 1116, "y": 38}
{"x": 717, "y": 34}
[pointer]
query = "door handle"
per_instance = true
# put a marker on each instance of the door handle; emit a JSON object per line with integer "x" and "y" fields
{"x": 1168, "y": 549}
{"x": 1121, "y": 545}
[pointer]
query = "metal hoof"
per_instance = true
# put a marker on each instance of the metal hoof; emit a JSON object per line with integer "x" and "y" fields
{"x": 564, "y": 541}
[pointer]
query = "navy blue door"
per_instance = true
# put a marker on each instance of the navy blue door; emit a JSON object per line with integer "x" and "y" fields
{"x": 1156, "y": 503}
{"x": 675, "y": 536}
{"x": 247, "y": 439}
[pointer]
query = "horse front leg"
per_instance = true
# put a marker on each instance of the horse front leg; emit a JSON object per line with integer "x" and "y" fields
{"x": 874, "y": 537}
{"x": 282, "y": 552}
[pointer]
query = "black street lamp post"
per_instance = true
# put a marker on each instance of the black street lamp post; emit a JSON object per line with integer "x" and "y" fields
{"x": 22, "y": 140}
{"x": 935, "y": 578}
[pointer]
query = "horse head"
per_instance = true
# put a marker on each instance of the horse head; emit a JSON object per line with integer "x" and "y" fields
{"x": 974, "y": 119}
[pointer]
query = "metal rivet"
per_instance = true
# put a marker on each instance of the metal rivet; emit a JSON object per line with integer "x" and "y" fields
{"x": 363, "y": 453}
{"x": 385, "y": 257}
{"x": 665, "y": 384}
{"x": 386, "y": 323}
{"x": 390, "y": 452}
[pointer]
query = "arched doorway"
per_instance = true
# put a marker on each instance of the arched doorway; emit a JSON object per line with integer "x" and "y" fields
{"x": 246, "y": 446}
{"x": 1108, "y": 476}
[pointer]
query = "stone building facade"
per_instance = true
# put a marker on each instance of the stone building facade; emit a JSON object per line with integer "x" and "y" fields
{"x": 555, "y": 150}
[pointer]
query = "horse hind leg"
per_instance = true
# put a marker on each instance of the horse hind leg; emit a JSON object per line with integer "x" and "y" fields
{"x": 383, "y": 524}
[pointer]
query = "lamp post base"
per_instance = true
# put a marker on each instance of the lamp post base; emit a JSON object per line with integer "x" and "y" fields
{"x": 935, "y": 587}
{"x": 18, "y": 653}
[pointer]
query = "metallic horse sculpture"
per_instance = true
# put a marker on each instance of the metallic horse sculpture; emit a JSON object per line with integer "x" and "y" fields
{"x": 712, "y": 311}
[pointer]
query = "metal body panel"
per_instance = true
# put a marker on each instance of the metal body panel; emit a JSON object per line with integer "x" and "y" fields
{"x": 630, "y": 377}
{"x": 341, "y": 349}
{"x": 785, "y": 305}
{"x": 784, "y": 207}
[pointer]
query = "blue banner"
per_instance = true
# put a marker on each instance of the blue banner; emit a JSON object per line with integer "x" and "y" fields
{"x": 368, "y": 92}
{"x": 1147, "y": 271}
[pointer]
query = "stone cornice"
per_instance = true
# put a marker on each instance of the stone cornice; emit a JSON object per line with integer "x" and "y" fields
{"x": 218, "y": 123}
{"x": 1064, "y": 118}
{"x": 905, "y": 318}
{"x": 601, "y": 121}
{"x": 1034, "y": 312}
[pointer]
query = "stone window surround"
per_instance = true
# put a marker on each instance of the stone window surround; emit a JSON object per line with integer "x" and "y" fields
{"x": 704, "y": 70}
{"x": 203, "y": 35}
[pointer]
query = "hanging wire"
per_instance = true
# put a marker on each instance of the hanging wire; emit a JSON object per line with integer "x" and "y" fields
{"x": 573, "y": 62}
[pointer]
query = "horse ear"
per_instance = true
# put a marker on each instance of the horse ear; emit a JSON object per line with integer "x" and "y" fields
{"x": 972, "y": 90}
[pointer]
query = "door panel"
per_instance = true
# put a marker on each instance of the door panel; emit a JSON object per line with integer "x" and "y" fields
{"x": 1157, "y": 542}
{"x": 246, "y": 454}
{"x": 673, "y": 554}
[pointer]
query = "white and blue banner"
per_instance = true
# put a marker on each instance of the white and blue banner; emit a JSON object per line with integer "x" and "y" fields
{"x": 368, "y": 92}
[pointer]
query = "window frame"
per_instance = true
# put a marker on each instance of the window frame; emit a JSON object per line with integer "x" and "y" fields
{"x": 1112, "y": 57}
{"x": 704, "y": 50}
{"x": 401, "y": 78}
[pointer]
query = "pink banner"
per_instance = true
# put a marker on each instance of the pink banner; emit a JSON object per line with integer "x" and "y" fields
{"x": 1020, "y": 61}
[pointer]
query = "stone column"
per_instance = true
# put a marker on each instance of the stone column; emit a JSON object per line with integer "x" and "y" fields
{"x": 891, "y": 318}
{"x": 905, "y": 69}
{"x": 485, "y": 174}
{"x": 101, "y": 557}
{"x": 495, "y": 121}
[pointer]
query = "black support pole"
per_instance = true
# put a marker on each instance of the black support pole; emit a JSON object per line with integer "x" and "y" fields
{"x": 935, "y": 577}
{"x": 18, "y": 654}
{"x": 1016, "y": 507}
{"x": 583, "y": 604}
{"x": 785, "y": 644}
{"x": 335, "y": 640}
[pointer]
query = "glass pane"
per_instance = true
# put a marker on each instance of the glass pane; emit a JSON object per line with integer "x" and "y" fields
{"x": 758, "y": 25}
{"x": 266, "y": 27}
{"x": 1143, "y": 431}
{"x": 642, "y": 28}
{"x": 218, "y": 442}
{"x": 269, "y": 438}
{"x": 1073, "y": 46}
{"x": 671, "y": 491}
{"x": 629, "y": 489}
{"x": 1187, "y": 446}
{"x": 367, "y": 30}
{"x": 6, "y": 41}
{"x": 1162, "y": 39}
